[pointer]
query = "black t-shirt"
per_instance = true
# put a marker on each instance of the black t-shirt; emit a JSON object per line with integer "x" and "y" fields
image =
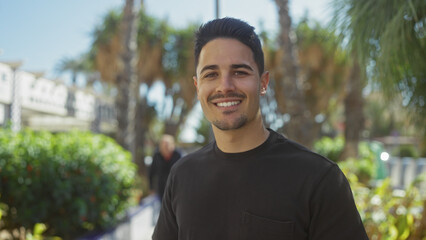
{"x": 279, "y": 190}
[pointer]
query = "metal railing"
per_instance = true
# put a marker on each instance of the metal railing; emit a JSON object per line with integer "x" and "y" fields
{"x": 403, "y": 171}
{"x": 138, "y": 224}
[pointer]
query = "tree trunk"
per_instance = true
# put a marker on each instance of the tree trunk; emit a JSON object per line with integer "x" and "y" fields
{"x": 300, "y": 124}
{"x": 354, "y": 116}
{"x": 143, "y": 120}
{"x": 128, "y": 88}
{"x": 121, "y": 106}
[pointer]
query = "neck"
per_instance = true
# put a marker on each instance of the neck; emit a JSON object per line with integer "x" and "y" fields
{"x": 243, "y": 139}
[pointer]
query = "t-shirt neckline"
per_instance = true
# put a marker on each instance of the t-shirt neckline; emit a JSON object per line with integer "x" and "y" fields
{"x": 247, "y": 154}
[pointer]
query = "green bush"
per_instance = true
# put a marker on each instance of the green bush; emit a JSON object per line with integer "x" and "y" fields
{"x": 364, "y": 167}
{"x": 331, "y": 148}
{"x": 387, "y": 213}
{"x": 406, "y": 151}
{"x": 72, "y": 182}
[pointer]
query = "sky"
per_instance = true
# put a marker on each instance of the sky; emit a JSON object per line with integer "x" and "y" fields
{"x": 41, "y": 33}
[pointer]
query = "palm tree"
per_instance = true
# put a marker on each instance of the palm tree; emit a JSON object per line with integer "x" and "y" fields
{"x": 115, "y": 57}
{"x": 389, "y": 37}
{"x": 354, "y": 114}
{"x": 179, "y": 64}
{"x": 73, "y": 66}
{"x": 82, "y": 65}
{"x": 164, "y": 54}
{"x": 289, "y": 84}
{"x": 152, "y": 35}
{"x": 127, "y": 81}
{"x": 323, "y": 70}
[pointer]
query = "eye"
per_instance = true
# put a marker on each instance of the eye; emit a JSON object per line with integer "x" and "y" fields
{"x": 210, "y": 75}
{"x": 240, "y": 73}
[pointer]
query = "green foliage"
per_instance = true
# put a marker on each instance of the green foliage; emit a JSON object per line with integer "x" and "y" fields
{"x": 387, "y": 213}
{"x": 364, "y": 167}
{"x": 390, "y": 37}
{"x": 151, "y": 30}
{"x": 179, "y": 52}
{"x": 203, "y": 132}
{"x": 37, "y": 233}
{"x": 3, "y": 208}
{"x": 104, "y": 32}
{"x": 311, "y": 33}
{"x": 406, "y": 151}
{"x": 72, "y": 182}
{"x": 329, "y": 147}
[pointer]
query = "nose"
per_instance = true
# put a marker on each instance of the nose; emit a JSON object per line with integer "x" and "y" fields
{"x": 226, "y": 84}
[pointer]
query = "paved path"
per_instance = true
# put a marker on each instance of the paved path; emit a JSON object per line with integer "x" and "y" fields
{"x": 143, "y": 220}
{"x": 139, "y": 226}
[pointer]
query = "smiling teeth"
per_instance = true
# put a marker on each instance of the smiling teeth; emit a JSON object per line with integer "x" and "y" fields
{"x": 227, "y": 104}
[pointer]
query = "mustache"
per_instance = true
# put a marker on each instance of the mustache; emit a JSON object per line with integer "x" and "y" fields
{"x": 228, "y": 95}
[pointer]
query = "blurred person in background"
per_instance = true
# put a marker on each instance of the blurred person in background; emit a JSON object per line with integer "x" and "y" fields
{"x": 163, "y": 160}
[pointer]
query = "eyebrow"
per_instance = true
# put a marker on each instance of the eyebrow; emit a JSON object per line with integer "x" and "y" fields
{"x": 233, "y": 66}
{"x": 209, "y": 67}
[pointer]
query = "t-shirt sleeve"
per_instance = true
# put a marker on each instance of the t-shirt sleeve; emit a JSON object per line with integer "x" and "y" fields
{"x": 166, "y": 227}
{"x": 333, "y": 211}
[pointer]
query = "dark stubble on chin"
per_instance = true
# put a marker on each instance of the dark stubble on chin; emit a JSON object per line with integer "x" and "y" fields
{"x": 238, "y": 123}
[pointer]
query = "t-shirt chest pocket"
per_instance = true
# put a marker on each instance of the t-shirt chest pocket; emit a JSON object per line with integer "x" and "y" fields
{"x": 260, "y": 228}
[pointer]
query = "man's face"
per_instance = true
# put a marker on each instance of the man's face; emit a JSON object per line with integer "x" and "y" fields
{"x": 167, "y": 146}
{"x": 228, "y": 83}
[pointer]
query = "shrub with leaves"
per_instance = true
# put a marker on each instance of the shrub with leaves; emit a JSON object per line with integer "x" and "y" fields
{"x": 406, "y": 151}
{"x": 364, "y": 166}
{"x": 390, "y": 214}
{"x": 72, "y": 182}
{"x": 330, "y": 147}
{"x": 387, "y": 213}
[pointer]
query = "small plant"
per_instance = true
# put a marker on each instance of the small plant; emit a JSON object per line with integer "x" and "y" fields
{"x": 37, "y": 233}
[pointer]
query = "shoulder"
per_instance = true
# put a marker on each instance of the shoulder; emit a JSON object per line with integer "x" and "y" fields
{"x": 293, "y": 150}
{"x": 190, "y": 160}
{"x": 296, "y": 156}
{"x": 156, "y": 155}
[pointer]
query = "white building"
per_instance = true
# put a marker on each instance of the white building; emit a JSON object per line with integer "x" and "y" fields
{"x": 40, "y": 103}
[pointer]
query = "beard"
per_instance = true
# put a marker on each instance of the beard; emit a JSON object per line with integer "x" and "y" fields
{"x": 225, "y": 125}
{"x": 236, "y": 124}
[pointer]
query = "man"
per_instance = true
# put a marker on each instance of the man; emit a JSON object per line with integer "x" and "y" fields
{"x": 251, "y": 182}
{"x": 162, "y": 162}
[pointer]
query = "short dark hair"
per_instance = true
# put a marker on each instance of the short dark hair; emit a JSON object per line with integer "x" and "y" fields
{"x": 229, "y": 28}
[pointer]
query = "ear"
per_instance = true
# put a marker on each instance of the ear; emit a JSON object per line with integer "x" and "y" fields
{"x": 196, "y": 85}
{"x": 264, "y": 82}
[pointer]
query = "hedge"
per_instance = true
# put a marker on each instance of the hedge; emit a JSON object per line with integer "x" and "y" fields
{"x": 72, "y": 182}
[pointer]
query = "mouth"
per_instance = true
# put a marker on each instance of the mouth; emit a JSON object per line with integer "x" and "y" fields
{"x": 227, "y": 104}
{"x": 228, "y": 101}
